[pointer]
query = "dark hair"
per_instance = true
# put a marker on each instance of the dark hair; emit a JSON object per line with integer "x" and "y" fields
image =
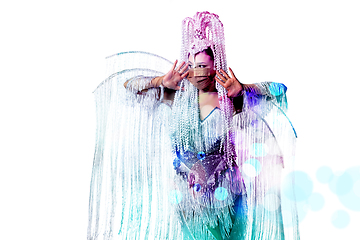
{"x": 209, "y": 52}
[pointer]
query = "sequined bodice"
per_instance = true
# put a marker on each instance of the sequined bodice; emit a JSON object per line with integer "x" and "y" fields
{"x": 209, "y": 155}
{"x": 211, "y": 130}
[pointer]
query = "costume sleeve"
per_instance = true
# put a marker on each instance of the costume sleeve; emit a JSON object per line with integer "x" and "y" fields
{"x": 138, "y": 83}
{"x": 270, "y": 93}
{"x": 138, "y": 90}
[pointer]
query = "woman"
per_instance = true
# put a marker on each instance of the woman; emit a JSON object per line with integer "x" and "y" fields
{"x": 200, "y": 172}
{"x": 217, "y": 130}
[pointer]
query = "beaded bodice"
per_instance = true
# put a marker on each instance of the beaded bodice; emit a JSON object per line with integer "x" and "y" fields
{"x": 209, "y": 156}
{"x": 211, "y": 130}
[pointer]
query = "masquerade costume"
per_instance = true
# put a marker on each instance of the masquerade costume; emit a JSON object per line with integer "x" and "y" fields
{"x": 162, "y": 173}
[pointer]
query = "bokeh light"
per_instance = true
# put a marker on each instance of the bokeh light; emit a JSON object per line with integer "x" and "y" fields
{"x": 258, "y": 150}
{"x": 356, "y": 188}
{"x": 340, "y": 219}
{"x": 324, "y": 174}
{"x": 341, "y": 185}
{"x": 350, "y": 182}
{"x": 272, "y": 202}
{"x": 251, "y": 167}
{"x": 316, "y": 202}
{"x": 302, "y": 188}
{"x": 221, "y": 193}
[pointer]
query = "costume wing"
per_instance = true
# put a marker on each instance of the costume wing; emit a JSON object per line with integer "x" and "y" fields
{"x": 132, "y": 169}
{"x": 265, "y": 146}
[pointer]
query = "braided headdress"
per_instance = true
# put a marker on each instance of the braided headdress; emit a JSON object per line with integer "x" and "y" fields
{"x": 200, "y": 32}
{"x": 203, "y": 31}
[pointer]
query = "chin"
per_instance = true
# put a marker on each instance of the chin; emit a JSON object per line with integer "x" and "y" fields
{"x": 205, "y": 85}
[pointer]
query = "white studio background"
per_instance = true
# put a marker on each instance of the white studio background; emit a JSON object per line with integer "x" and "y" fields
{"x": 53, "y": 56}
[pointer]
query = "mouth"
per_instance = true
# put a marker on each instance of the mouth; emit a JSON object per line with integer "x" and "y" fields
{"x": 202, "y": 80}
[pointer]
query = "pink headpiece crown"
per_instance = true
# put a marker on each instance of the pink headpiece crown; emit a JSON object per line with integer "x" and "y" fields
{"x": 202, "y": 31}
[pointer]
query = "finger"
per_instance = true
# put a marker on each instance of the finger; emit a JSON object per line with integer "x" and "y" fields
{"x": 173, "y": 67}
{"x": 180, "y": 66}
{"x": 228, "y": 84}
{"x": 184, "y": 74}
{"x": 232, "y": 73}
{"x": 184, "y": 68}
{"x": 224, "y": 73}
{"x": 221, "y": 76}
{"x": 219, "y": 81}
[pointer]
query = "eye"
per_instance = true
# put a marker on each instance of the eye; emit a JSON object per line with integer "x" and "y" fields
{"x": 202, "y": 66}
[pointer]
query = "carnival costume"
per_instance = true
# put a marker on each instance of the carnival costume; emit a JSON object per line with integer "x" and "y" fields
{"x": 162, "y": 173}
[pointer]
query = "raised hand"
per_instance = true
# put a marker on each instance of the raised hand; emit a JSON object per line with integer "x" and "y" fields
{"x": 231, "y": 84}
{"x": 174, "y": 76}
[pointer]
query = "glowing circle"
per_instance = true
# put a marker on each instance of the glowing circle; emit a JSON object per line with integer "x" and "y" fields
{"x": 356, "y": 188}
{"x": 302, "y": 187}
{"x": 258, "y": 150}
{"x": 287, "y": 208}
{"x": 251, "y": 167}
{"x": 350, "y": 195}
{"x": 316, "y": 202}
{"x": 221, "y": 193}
{"x": 324, "y": 174}
{"x": 249, "y": 170}
{"x": 271, "y": 202}
{"x": 340, "y": 219}
{"x": 341, "y": 185}
{"x": 175, "y": 196}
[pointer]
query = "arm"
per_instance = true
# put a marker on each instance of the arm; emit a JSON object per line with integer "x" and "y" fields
{"x": 234, "y": 87}
{"x": 142, "y": 84}
{"x": 169, "y": 81}
{"x": 237, "y": 91}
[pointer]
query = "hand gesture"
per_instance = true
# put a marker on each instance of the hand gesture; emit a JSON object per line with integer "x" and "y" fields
{"x": 231, "y": 84}
{"x": 174, "y": 76}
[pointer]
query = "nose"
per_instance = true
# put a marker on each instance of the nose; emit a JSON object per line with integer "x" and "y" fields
{"x": 200, "y": 72}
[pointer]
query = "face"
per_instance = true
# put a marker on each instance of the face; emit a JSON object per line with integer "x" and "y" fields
{"x": 202, "y": 71}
